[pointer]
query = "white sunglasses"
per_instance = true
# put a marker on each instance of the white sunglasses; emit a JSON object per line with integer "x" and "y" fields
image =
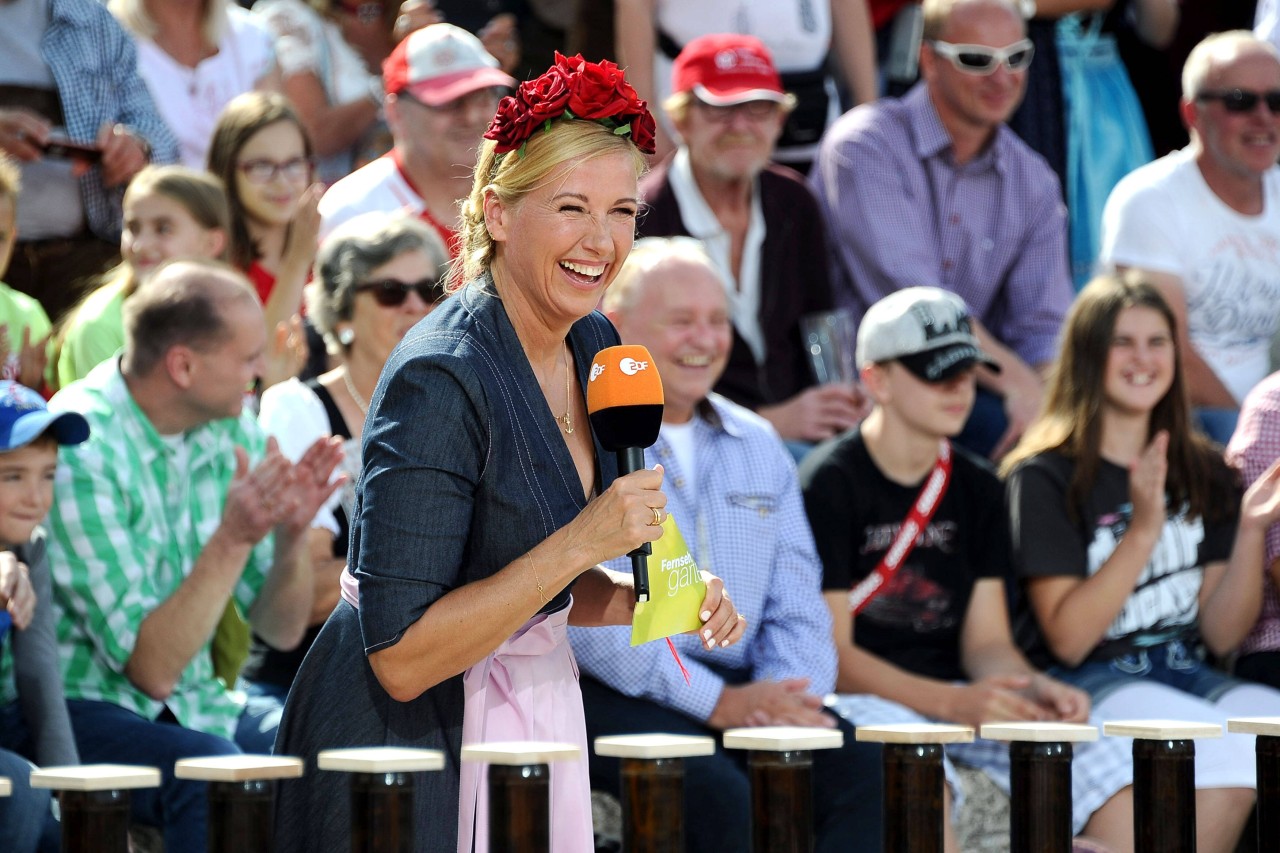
{"x": 980, "y": 59}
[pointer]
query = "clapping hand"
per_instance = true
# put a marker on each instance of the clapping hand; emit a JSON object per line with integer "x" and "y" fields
{"x": 277, "y": 492}
{"x": 16, "y": 593}
{"x": 1146, "y": 483}
{"x": 1261, "y": 502}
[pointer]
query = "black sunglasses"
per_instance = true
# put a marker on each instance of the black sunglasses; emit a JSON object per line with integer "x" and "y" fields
{"x": 391, "y": 292}
{"x": 1242, "y": 100}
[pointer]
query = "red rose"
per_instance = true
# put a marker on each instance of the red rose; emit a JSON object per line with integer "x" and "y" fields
{"x": 546, "y": 96}
{"x": 643, "y": 130}
{"x": 511, "y": 126}
{"x": 598, "y": 90}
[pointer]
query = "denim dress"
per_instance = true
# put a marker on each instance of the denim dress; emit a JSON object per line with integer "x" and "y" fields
{"x": 465, "y": 469}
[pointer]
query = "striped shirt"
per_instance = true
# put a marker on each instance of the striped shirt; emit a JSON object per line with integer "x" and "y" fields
{"x": 902, "y": 213}
{"x": 743, "y": 519}
{"x": 132, "y": 511}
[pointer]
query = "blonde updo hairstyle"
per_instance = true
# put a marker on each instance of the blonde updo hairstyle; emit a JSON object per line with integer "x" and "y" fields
{"x": 511, "y": 177}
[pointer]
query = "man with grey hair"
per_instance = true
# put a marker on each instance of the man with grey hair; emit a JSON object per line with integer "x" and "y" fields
{"x": 933, "y": 188}
{"x": 732, "y": 488}
{"x": 176, "y": 506}
{"x": 1203, "y": 223}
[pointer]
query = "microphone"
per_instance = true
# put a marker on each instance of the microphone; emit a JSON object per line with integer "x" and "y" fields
{"x": 624, "y": 401}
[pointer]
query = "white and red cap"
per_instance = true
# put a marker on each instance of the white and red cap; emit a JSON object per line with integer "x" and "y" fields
{"x": 726, "y": 69}
{"x": 441, "y": 63}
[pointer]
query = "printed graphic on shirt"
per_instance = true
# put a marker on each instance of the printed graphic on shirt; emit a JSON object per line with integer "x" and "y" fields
{"x": 911, "y": 600}
{"x": 1164, "y": 603}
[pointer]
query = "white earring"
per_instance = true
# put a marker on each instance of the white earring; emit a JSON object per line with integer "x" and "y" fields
{"x": 346, "y": 336}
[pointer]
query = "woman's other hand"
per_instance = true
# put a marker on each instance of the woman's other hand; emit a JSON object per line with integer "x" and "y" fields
{"x": 722, "y": 624}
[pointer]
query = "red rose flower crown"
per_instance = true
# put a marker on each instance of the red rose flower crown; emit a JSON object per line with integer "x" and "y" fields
{"x": 574, "y": 89}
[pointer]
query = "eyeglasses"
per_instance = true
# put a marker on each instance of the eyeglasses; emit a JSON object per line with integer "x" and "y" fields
{"x": 265, "y": 171}
{"x": 755, "y": 110}
{"x": 983, "y": 60}
{"x": 391, "y": 292}
{"x": 1243, "y": 101}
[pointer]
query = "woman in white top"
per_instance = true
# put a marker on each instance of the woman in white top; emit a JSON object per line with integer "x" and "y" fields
{"x": 195, "y": 56}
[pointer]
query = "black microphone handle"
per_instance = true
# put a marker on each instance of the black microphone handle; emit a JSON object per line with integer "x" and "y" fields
{"x": 632, "y": 459}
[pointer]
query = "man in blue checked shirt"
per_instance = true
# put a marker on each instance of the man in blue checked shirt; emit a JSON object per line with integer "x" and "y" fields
{"x": 732, "y": 488}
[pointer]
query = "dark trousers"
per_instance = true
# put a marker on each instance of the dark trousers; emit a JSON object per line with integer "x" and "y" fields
{"x": 60, "y": 271}
{"x": 717, "y": 800}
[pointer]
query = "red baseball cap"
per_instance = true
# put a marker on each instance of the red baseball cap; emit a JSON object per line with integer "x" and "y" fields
{"x": 441, "y": 63}
{"x": 727, "y": 69}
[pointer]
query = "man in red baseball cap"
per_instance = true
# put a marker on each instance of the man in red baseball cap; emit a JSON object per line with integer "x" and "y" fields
{"x": 442, "y": 87}
{"x": 760, "y": 224}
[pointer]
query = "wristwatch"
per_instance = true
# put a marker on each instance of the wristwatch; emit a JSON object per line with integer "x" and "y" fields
{"x": 1027, "y": 8}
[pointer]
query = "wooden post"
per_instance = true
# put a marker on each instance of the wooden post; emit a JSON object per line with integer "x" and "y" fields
{"x": 913, "y": 781}
{"x": 520, "y": 791}
{"x": 780, "y": 767}
{"x": 95, "y": 803}
{"x": 1040, "y": 780}
{"x": 1164, "y": 781}
{"x": 241, "y": 797}
{"x": 381, "y": 793}
{"x": 652, "y": 771}
{"x": 1267, "y": 752}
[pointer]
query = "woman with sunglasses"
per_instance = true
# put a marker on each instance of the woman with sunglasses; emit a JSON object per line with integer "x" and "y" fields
{"x": 376, "y": 277}
{"x": 263, "y": 155}
{"x": 330, "y": 54}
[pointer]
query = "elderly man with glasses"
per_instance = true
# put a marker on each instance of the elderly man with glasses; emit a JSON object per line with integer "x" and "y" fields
{"x": 1204, "y": 223}
{"x": 934, "y": 189}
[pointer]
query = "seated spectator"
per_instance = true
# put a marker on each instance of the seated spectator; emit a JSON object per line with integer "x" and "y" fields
{"x": 176, "y": 505}
{"x": 1136, "y": 557}
{"x": 732, "y": 487}
{"x": 1254, "y": 448}
{"x": 262, "y": 154}
{"x": 442, "y": 88}
{"x": 1203, "y": 224}
{"x": 760, "y": 225}
{"x": 33, "y": 713}
{"x": 329, "y": 53}
{"x": 934, "y": 189}
{"x": 24, "y": 327}
{"x": 378, "y": 275}
{"x": 169, "y": 212}
{"x": 196, "y": 57}
{"x": 928, "y": 637}
{"x": 71, "y": 72}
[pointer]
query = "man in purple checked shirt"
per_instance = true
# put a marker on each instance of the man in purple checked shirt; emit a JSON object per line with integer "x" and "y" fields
{"x": 934, "y": 189}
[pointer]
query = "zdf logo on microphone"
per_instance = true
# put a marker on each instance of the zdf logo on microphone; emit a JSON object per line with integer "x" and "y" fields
{"x": 631, "y": 367}
{"x": 596, "y": 369}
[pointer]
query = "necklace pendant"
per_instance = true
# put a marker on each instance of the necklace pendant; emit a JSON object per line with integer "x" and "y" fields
{"x": 568, "y": 423}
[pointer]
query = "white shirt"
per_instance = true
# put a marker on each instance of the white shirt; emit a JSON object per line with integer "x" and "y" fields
{"x": 376, "y": 187}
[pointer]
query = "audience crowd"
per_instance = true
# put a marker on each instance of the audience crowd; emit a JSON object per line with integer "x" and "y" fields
{"x": 861, "y": 269}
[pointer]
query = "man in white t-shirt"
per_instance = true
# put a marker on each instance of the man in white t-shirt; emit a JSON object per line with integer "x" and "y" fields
{"x": 1204, "y": 223}
{"x": 442, "y": 88}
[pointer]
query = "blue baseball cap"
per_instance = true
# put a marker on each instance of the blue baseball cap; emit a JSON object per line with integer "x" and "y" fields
{"x": 24, "y": 417}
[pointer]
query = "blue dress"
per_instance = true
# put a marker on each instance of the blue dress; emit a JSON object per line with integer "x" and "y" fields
{"x": 465, "y": 469}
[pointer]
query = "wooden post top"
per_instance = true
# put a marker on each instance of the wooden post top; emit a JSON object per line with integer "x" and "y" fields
{"x": 520, "y": 752}
{"x": 655, "y": 746}
{"x": 1161, "y": 729}
{"x": 1039, "y": 732}
{"x": 6, "y": 787}
{"x": 783, "y": 738}
{"x": 380, "y": 759}
{"x": 1267, "y": 726}
{"x": 238, "y": 768}
{"x": 96, "y": 777}
{"x": 915, "y": 733}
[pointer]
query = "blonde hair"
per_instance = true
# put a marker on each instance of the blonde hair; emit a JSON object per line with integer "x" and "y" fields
{"x": 1213, "y": 50}
{"x": 512, "y": 176}
{"x": 647, "y": 255}
{"x": 134, "y": 17}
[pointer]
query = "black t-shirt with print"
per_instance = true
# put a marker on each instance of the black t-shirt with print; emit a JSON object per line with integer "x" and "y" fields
{"x": 915, "y": 620}
{"x": 1047, "y": 543}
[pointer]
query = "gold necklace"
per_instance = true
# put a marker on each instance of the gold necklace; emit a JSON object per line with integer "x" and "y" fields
{"x": 566, "y": 419}
{"x": 360, "y": 402}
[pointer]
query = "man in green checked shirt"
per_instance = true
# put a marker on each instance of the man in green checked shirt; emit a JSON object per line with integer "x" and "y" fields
{"x": 178, "y": 505}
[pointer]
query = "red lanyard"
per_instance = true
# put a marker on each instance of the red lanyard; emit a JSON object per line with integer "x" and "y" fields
{"x": 912, "y": 526}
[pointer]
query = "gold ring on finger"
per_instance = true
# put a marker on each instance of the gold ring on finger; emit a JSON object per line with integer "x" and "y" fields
{"x": 657, "y": 517}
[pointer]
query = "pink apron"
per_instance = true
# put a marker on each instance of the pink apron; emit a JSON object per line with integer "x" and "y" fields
{"x": 527, "y": 689}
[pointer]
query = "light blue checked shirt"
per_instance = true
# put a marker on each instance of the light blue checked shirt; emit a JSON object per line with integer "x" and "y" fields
{"x": 745, "y": 523}
{"x": 95, "y": 66}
